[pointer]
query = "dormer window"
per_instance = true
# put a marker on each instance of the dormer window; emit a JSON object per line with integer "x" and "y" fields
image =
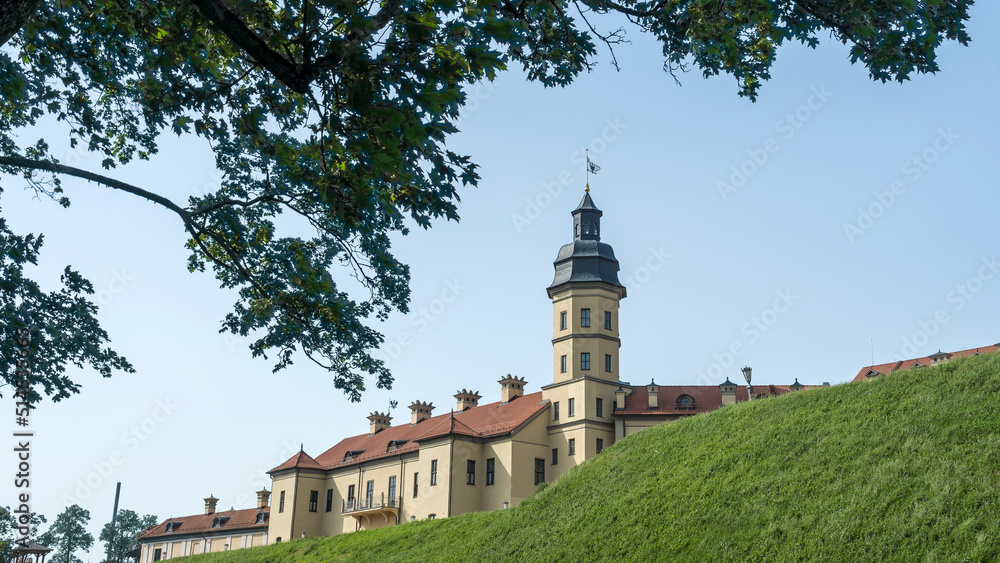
{"x": 395, "y": 444}
{"x": 260, "y": 518}
{"x": 685, "y": 403}
{"x": 172, "y": 526}
{"x": 218, "y": 521}
{"x": 351, "y": 454}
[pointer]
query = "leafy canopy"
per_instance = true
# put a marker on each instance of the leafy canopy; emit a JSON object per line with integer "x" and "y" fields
{"x": 120, "y": 539}
{"x": 333, "y": 116}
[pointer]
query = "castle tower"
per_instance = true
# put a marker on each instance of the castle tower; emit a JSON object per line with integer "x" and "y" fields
{"x": 585, "y": 294}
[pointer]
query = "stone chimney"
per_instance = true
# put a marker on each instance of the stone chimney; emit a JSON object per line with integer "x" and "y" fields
{"x": 263, "y": 496}
{"x": 420, "y": 411}
{"x": 379, "y": 421}
{"x": 511, "y": 387}
{"x": 467, "y": 400}
{"x": 728, "y": 389}
{"x": 210, "y": 503}
{"x": 653, "y": 389}
{"x": 620, "y": 395}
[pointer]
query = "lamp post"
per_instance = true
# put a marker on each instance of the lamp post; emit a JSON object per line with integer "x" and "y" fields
{"x": 746, "y": 375}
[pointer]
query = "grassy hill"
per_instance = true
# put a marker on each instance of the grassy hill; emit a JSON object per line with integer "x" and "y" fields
{"x": 901, "y": 468}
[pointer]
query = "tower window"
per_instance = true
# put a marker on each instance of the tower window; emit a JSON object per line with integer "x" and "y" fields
{"x": 607, "y": 362}
{"x": 584, "y": 360}
{"x": 470, "y": 472}
{"x": 281, "y": 502}
{"x": 555, "y": 456}
{"x": 572, "y": 407}
{"x": 596, "y": 226}
{"x": 585, "y": 317}
{"x": 434, "y": 472}
{"x": 555, "y": 410}
{"x": 416, "y": 479}
{"x": 562, "y": 364}
{"x": 600, "y": 406}
{"x": 491, "y": 471}
{"x": 313, "y": 501}
{"x": 562, "y": 320}
{"x": 600, "y": 445}
{"x": 539, "y": 471}
{"x": 572, "y": 446}
{"x": 607, "y": 320}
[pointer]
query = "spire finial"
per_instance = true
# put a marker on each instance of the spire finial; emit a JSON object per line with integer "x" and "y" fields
{"x": 302, "y": 447}
{"x": 587, "y": 187}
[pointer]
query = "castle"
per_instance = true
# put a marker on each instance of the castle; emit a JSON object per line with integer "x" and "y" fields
{"x": 478, "y": 456}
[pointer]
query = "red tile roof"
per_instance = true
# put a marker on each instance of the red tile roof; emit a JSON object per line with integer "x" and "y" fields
{"x": 244, "y": 520}
{"x": 492, "y": 419}
{"x": 706, "y": 398}
{"x": 882, "y": 369}
{"x": 301, "y": 460}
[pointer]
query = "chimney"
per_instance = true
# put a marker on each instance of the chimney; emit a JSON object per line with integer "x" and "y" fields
{"x": 467, "y": 400}
{"x": 263, "y": 496}
{"x": 728, "y": 389}
{"x": 511, "y": 387}
{"x": 378, "y": 421}
{"x": 420, "y": 411}
{"x": 620, "y": 395}
{"x": 653, "y": 389}
{"x": 210, "y": 503}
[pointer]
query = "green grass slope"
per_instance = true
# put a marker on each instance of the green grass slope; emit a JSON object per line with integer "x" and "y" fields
{"x": 901, "y": 468}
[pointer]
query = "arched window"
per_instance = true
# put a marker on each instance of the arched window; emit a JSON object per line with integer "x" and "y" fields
{"x": 685, "y": 403}
{"x": 260, "y": 518}
{"x": 576, "y": 229}
{"x": 596, "y": 227}
{"x": 216, "y": 522}
{"x": 586, "y": 228}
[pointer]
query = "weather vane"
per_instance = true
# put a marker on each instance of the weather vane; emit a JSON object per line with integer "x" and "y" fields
{"x": 592, "y": 168}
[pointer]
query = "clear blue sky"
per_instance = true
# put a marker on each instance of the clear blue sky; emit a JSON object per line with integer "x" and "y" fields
{"x": 721, "y": 211}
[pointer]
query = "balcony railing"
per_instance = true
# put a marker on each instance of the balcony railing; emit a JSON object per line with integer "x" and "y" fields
{"x": 371, "y": 503}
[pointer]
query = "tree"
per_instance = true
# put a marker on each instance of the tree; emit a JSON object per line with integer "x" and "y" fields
{"x": 336, "y": 114}
{"x": 68, "y": 534}
{"x": 12, "y": 530}
{"x": 127, "y": 528}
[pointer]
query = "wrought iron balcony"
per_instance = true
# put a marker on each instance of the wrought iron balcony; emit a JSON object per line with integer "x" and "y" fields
{"x": 371, "y": 504}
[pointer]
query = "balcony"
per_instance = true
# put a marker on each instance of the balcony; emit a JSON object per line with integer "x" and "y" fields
{"x": 372, "y": 505}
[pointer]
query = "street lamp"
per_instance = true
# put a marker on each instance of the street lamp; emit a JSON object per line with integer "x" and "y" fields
{"x": 746, "y": 375}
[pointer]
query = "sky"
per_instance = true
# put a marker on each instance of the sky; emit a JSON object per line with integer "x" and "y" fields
{"x": 834, "y": 221}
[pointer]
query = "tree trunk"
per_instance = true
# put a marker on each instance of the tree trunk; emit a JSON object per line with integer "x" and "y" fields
{"x": 13, "y": 15}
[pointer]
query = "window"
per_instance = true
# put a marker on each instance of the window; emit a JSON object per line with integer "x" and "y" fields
{"x": 555, "y": 456}
{"x": 156, "y": 554}
{"x": 562, "y": 364}
{"x": 586, "y": 228}
{"x": 555, "y": 410}
{"x": 260, "y": 518}
{"x": 600, "y": 445}
{"x": 470, "y": 472}
{"x": 329, "y": 500}
{"x": 584, "y": 360}
{"x": 607, "y": 320}
{"x": 539, "y": 471}
{"x": 217, "y": 522}
{"x": 392, "y": 490}
{"x": 277, "y": 540}
{"x": 572, "y": 407}
{"x": 313, "y": 501}
{"x": 431, "y": 516}
{"x": 281, "y": 502}
{"x": 369, "y": 493}
{"x": 434, "y": 472}
{"x": 416, "y": 480}
{"x": 685, "y": 403}
{"x": 491, "y": 471}
{"x": 584, "y": 317}
{"x": 600, "y": 407}
{"x": 350, "y": 496}
{"x": 562, "y": 320}
{"x": 607, "y": 362}
{"x": 572, "y": 446}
